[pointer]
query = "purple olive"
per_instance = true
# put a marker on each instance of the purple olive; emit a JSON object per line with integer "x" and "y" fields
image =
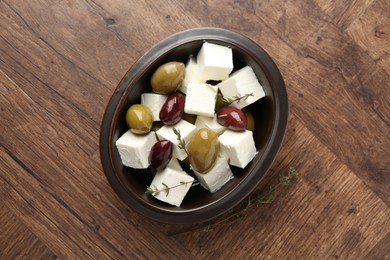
{"x": 173, "y": 109}
{"x": 160, "y": 154}
{"x": 233, "y": 118}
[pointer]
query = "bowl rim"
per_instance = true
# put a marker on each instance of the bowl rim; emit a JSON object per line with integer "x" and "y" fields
{"x": 271, "y": 148}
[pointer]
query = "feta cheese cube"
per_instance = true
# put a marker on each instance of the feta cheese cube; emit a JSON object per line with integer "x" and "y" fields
{"x": 210, "y": 123}
{"x": 134, "y": 149}
{"x": 176, "y": 180}
{"x": 215, "y": 61}
{"x": 237, "y": 147}
{"x": 217, "y": 176}
{"x": 191, "y": 76}
{"x": 186, "y": 131}
{"x": 154, "y": 102}
{"x": 174, "y": 164}
{"x": 240, "y": 83}
{"x": 200, "y": 99}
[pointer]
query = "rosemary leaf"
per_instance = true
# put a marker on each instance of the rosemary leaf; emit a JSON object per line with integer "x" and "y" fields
{"x": 237, "y": 98}
{"x": 166, "y": 188}
{"x": 236, "y": 214}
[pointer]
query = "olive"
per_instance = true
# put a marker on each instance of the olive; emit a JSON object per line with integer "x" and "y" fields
{"x": 160, "y": 154}
{"x": 203, "y": 150}
{"x": 173, "y": 109}
{"x": 231, "y": 117}
{"x": 250, "y": 121}
{"x": 139, "y": 119}
{"x": 168, "y": 77}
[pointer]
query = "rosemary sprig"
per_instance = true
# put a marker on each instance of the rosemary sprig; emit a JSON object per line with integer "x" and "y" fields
{"x": 237, "y": 98}
{"x": 154, "y": 191}
{"x": 237, "y": 213}
{"x": 182, "y": 142}
{"x": 292, "y": 174}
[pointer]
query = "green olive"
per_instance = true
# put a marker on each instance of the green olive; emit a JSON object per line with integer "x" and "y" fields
{"x": 203, "y": 150}
{"x": 139, "y": 119}
{"x": 168, "y": 77}
{"x": 250, "y": 121}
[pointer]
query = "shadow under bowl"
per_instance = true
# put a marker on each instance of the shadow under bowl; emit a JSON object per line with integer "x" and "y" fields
{"x": 270, "y": 113}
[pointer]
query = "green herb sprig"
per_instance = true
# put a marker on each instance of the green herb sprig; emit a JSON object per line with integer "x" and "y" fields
{"x": 182, "y": 142}
{"x": 237, "y": 213}
{"x": 154, "y": 191}
{"x": 237, "y": 98}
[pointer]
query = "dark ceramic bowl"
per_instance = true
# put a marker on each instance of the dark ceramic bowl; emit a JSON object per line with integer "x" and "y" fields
{"x": 270, "y": 114}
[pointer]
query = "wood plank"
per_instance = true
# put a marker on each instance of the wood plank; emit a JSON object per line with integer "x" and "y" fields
{"x": 291, "y": 22}
{"x": 357, "y": 130}
{"x": 75, "y": 214}
{"x": 39, "y": 69}
{"x": 17, "y": 241}
{"x": 381, "y": 250}
{"x": 323, "y": 215}
{"x": 344, "y": 13}
{"x": 28, "y": 207}
{"x": 67, "y": 38}
{"x": 372, "y": 32}
{"x": 332, "y": 85}
{"x": 63, "y": 38}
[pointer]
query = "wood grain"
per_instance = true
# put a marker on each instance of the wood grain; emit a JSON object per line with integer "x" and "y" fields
{"x": 372, "y": 32}
{"x": 60, "y": 61}
{"x": 17, "y": 240}
{"x": 344, "y": 13}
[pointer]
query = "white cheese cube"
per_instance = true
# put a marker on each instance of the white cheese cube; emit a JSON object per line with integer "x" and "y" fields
{"x": 134, "y": 149}
{"x": 174, "y": 164}
{"x": 210, "y": 123}
{"x": 237, "y": 147}
{"x": 200, "y": 99}
{"x": 186, "y": 131}
{"x": 215, "y": 61}
{"x": 217, "y": 176}
{"x": 172, "y": 184}
{"x": 191, "y": 76}
{"x": 241, "y": 83}
{"x": 154, "y": 102}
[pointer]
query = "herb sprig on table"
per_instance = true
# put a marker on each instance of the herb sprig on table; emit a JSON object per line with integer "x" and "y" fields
{"x": 238, "y": 212}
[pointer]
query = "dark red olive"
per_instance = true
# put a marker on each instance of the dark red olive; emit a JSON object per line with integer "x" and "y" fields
{"x": 231, "y": 117}
{"x": 173, "y": 109}
{"x": 160, "y": 154}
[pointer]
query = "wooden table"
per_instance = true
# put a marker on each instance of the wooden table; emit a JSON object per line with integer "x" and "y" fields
{"x": 60, "y": 61}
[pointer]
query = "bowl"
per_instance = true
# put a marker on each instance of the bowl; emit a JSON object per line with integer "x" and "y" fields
{"x": 270, "y": 112}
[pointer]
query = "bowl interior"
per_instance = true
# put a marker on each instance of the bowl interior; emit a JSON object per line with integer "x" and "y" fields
{"x": 199, "y": 204}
